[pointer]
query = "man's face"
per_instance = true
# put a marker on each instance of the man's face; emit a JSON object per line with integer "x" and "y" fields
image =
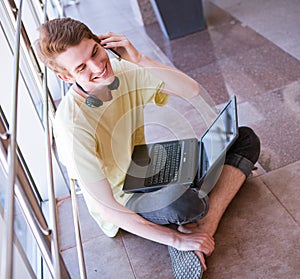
{"x": 88, "y": 65}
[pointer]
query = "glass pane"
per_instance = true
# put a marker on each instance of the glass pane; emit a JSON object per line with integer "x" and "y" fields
{"x": 21, "y": 229}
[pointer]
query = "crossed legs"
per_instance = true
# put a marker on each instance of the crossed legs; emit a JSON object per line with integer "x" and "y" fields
{"x": 239, "y": 162}
{"x": 229, "y": 183}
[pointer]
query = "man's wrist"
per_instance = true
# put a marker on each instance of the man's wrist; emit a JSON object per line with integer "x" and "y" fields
{"x": 142, "y": 60}
{"x": 176, "y": 239}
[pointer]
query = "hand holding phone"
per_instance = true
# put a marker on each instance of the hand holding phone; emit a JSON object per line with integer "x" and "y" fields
{"x": 123, "y": 46}
{"x": 113, "y": 52}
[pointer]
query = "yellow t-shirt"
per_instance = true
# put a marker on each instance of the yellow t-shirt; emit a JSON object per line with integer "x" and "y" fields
{"x": 97, "y": 143}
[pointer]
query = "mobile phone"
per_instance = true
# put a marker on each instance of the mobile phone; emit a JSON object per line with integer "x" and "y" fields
{"x": 113, "y": 52}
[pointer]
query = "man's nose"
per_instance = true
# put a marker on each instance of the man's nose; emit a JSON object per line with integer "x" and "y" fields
{"x": 95, "y": 66}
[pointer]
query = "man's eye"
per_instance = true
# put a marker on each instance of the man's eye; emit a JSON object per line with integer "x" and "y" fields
{"x": 81, "y": 69}
{"x": 95, "y": 52}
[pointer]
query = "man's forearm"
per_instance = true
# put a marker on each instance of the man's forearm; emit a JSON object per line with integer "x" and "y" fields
{"x": 135, "y": 224}
{"x": 176, "y": 82}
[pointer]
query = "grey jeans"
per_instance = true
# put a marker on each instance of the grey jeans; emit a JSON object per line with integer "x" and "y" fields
{"x": 181, "y": 205}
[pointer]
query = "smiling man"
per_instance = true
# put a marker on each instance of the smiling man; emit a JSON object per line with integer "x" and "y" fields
{"x": 101, "y": 118}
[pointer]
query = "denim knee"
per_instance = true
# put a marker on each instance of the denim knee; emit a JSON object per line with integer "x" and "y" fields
{"x": 190, "y": 207}
{"x": 245, "y": 151}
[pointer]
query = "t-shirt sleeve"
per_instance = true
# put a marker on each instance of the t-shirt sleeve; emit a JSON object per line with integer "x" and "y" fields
{"x": 147, "y": 85}
{"x": 152, "y": 87}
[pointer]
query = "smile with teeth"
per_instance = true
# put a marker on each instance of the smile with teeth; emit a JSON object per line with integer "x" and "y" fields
{"x": 103, "y": 73}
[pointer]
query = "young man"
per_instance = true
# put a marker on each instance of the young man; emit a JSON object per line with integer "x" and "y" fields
{"x": 100, "y": 120}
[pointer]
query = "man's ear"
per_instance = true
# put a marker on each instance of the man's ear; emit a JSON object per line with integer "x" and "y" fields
{"x": 65, "y": 78}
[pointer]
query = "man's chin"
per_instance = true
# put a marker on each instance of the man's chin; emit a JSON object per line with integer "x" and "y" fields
{"x": 103, "y": 83}
{"x": 109, "y": 80}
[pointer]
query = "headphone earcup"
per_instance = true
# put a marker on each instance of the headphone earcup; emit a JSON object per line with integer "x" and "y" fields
{"x": 92, "y": 101}
{"x": 115, "y": 84}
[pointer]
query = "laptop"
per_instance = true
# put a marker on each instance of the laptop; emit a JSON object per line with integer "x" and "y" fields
{"x": 182, "y": 162}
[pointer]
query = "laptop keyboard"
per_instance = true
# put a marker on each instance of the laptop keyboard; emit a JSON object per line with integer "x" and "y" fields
{"x": 165, "y": 164}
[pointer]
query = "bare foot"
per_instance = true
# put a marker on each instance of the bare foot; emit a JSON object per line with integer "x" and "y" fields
{"x": 203, "y": 225}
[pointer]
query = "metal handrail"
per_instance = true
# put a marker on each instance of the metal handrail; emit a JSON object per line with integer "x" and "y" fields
{"x": 38, "y": 227}
{"x": 7, "y": 255}
{"x": 79, "y": 247}
{"x": 51, "y": 195}
{"x": 51, "y": 257}
{"x": 35, "y": 227}
{"x": 22, "y": 172}
{"x": 24, "y": 194}
{"x": 12, "y": 190}
{"x": 52, "y": 201}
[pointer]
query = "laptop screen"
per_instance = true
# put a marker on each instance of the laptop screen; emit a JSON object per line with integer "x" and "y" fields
{"x": 219, "y": 136}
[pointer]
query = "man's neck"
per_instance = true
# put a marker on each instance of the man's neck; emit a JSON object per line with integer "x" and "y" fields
{"x": 101, "y": 92}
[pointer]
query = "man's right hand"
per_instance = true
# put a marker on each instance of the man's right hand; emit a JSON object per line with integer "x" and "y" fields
{"x": 201, "y": 257}
{"x": 201, "y": 242}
